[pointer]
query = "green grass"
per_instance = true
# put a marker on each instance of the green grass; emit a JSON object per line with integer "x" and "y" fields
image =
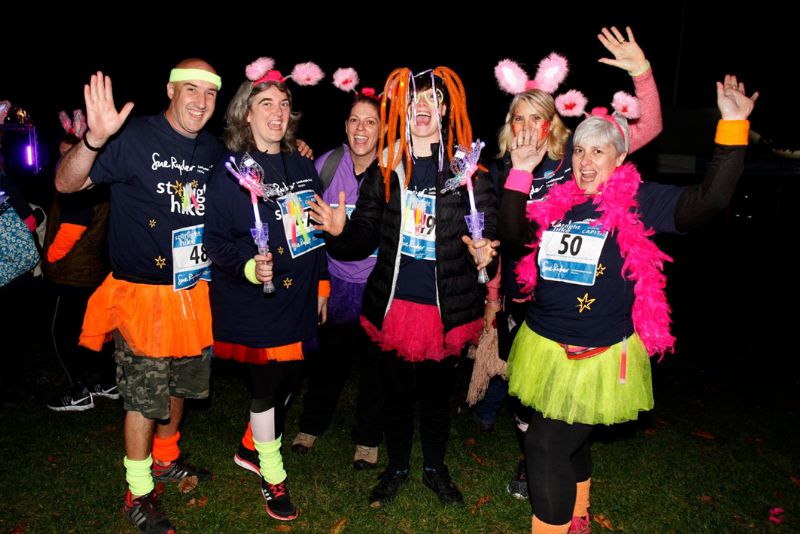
{"x": 62, "y": 472}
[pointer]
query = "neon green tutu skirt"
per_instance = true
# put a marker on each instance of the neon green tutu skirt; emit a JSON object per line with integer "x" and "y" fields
{"x": 603, "y": 389}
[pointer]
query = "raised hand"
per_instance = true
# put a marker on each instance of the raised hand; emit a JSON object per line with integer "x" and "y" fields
{"x": 331, "y": 220}
{"x": 527, "y": 150}
{"x": 627, "y": 54}
{"x": 101, "y": 114}
{"x": 732, "y": 101}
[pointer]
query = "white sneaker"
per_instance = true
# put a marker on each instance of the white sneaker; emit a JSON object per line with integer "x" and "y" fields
{"x": 74, "y": 401}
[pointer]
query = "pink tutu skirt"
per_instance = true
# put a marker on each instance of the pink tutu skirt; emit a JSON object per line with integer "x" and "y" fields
{"x": 416, "y": 332}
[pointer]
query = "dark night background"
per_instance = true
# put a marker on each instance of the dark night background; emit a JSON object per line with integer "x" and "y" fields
{"x": 731, "y": 287}
{"x": 689, "y": 45}
{"x": 718, "y": 286}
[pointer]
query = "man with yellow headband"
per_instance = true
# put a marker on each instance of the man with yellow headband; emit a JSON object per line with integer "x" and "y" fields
{"x": 155, "y": 301}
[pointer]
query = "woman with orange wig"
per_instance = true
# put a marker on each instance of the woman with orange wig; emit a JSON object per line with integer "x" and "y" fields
{"x": 423, "y": 302}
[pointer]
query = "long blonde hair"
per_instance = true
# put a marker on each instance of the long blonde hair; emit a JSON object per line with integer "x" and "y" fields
{"x": 539, "y": 100}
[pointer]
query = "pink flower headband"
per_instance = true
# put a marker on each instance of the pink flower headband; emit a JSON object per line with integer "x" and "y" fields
{"x": 346, "y": 79}
{"x": 624, "y": 105}
{"x": 261, "y": 70}
{"x": 76, "y": 126}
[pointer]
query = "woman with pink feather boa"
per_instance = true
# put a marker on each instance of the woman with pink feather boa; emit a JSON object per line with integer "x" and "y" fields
{"x": 536, "y": 109}
{"x": 599, "y": 309}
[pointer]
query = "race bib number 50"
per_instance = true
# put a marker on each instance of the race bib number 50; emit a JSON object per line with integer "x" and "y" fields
{"x": 570, "y": 253}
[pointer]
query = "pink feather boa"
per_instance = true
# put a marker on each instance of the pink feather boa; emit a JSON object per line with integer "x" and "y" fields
{"x": 643, "y": 262}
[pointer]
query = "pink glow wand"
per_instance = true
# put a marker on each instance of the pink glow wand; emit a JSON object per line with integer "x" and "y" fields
{"x": 249, "y": 175}
{"x": 464, "y": 165}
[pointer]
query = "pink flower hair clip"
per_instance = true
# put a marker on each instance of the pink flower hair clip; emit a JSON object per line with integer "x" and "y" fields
{"x": 76, "y": 126}
{"x": 346, "y": 79}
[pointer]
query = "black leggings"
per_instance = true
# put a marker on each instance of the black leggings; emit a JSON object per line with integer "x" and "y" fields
{"x": 271, "y": 386}
{"x": 432, "y": 382}
{"x": 558, "y": 456}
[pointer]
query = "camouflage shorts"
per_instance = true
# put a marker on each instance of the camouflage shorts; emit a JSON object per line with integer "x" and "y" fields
{"x": 146, "y": 384}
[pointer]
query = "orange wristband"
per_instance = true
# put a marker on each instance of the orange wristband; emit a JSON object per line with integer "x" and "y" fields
{"x": 324, "y": 288}
{"x": 732, "y": 132}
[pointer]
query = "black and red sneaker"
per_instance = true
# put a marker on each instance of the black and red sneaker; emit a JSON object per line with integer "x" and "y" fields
{"x": 247, "y": 459}
{"x": 279, "y": 504}
{"x": 178, "y": 470}
{"x": 145, "y": 514}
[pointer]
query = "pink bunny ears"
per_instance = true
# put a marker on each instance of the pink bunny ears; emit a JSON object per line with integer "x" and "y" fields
{"x": 76, "y": 126}
{"x": 551, "y": 72}
{"x": 347, "y": 80}
{"x": 261, "y": 70}
{"x": 514, "y": 80}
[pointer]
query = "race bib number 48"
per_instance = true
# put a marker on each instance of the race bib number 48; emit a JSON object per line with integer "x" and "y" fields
{"x": 570, "y": 253}
{"x": 190, "y": 262}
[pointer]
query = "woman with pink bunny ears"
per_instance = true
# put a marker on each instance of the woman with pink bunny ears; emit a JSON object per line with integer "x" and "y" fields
{"x": 534, "y": 140}
{"x": 580, "y": 359}
{"x": 257, "y": 231}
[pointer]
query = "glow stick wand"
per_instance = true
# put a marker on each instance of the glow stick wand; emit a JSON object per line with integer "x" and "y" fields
{"x": 249, "y": 174}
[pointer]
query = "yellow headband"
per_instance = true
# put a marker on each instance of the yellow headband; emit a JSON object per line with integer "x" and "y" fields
{"x": 184, "y": 75}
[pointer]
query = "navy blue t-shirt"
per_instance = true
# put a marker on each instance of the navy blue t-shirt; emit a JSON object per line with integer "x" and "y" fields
{"x": 158, "y": 184}
{"x": 598, "y": 315}
{"x": 241, "y": 312}
{"x": 416, "y": 281}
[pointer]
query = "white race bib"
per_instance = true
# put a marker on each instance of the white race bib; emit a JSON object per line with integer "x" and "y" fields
{"x": 570, "y": 252}
{"x": 419, "y": 226}
{"x": 300, "y": 237}
{"x": 190, "y": 262}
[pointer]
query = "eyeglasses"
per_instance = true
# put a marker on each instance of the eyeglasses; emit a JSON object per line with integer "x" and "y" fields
{"x": 427, "y": 97}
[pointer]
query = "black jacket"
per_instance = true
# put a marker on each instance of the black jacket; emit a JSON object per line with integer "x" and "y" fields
{"x": 376, "y": 223}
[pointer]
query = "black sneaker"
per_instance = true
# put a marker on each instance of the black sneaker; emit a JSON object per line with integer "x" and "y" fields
{"x": 390, "y": 482}
{"x": 482, "y": 424}
{"x": 146, "y": 515}
{"x": 518, "y": 486}
{"x": 247, "y": 459}
{"x": 438, "y": 479}
{"x": 108, "y": 391}
{"x": 178, "y": 470}
{"x": 279, "y": 504}
{"x": 76, "y": 400}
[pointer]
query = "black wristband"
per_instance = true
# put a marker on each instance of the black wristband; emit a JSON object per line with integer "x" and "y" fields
{"x": 90, "y": 147}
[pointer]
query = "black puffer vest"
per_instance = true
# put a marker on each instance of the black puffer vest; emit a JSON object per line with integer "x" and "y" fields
{"x": 376, "y": 223}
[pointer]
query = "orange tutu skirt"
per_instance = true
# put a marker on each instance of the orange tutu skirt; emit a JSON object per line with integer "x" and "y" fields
{"x": 260, "y": 356}
{"x": 155, "y": 320}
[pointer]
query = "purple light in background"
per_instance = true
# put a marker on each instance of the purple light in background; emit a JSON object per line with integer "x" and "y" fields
{"x": 29, "y": 155}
